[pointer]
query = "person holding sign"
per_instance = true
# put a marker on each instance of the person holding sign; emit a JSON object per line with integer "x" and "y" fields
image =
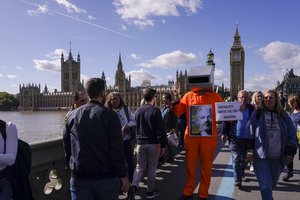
{"x": 234, "y": 132}
{"x": 198, "y": 147}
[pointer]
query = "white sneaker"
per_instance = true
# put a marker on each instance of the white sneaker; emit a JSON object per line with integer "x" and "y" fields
{"x": 251, "y": 168}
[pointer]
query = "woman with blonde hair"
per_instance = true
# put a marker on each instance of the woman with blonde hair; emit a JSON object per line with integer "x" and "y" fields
{"x": 256, "y": 99}
{"x": 273, "y": 138}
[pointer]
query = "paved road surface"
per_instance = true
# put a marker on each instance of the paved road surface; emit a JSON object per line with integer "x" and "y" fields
{"x": 171, "y": 177}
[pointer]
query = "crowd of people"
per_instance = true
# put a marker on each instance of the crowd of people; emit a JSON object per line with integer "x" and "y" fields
{"x": 101, "y": 133}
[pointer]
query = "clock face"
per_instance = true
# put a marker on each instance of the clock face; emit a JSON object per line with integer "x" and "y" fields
{"x": 236, "y": 56}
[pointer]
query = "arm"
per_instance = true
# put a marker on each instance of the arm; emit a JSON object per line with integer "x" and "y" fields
{"x": 225, "y": 130}
{"x": 67, "y": 142}
{"x": 291, "y": 145}
{"x": 10, "y": 155}
{"x": 131, "y": 121}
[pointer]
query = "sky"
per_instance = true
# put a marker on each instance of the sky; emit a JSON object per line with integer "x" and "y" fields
{"x": 154, "y": 37}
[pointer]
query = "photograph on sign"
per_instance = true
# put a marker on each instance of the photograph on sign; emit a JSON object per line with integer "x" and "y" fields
{"x": 228, "y": 111}
{"x": 200, "y": 120}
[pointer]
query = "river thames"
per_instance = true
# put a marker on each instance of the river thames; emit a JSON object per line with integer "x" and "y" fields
{"x": 36, "y": 126}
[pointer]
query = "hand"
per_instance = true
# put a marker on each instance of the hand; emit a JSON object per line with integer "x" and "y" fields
{"x": 124, "y": 184}
{"x": 224, "y": 138}
{"x": 125, "y": 128}
{"x": 289, "y": 158}
{"x": 242, "y": 107}
{"x": 249, "y": 157}
{"x": 162, "y": 152}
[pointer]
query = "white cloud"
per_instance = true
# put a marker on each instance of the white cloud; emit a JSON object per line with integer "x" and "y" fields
{"x": 11, "y": 76}
{"x": 41, "y": 9}
{"x": 142, "y": 74}
{"x": 56, "y": 54}
{"x": 19, "y": 68}
{"x": 0, "y": 75}
{"x": 47, "y": 65}
{"x": 266, "y": 81}
{"x": 170, "y": 77}
{"x": 221, "y": 77}
{"x": 92, "y": 18}
{"x": 71, "y": 8}
{"x": 142, "y": 12}
{"x": 135, "y": 56}
{"x": 170, "y": 60}
{"x": 281, "y": 55}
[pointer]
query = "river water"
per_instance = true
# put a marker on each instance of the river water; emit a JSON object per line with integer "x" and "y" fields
{"x": 36, "y": 126}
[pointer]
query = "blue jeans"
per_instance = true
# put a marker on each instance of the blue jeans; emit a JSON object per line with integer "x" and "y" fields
{"x": 267, "y": 172}
{"x": 105, "y": 189}
{"x": 239, "y": 151}
{"x": 147, "y": 159}
{"x": 5, "y": 189}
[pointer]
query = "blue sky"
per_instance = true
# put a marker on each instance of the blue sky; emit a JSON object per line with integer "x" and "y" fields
{"x": 154, "y": 37}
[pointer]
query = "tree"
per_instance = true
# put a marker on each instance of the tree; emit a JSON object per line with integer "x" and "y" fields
{"x": 8, "y": 101}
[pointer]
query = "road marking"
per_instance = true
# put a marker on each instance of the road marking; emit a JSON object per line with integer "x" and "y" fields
{"x": 226, "y": 188}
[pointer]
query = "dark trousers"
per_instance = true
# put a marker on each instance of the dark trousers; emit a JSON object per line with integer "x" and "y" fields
{"x": 128, "y": 152}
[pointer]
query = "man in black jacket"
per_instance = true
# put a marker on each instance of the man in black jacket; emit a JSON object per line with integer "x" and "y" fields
{"x": 94, "y": 148}
{"x": 151, "y": 141}
{"x": 234, "y": 131}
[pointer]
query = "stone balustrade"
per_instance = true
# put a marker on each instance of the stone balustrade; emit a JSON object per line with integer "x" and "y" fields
{"x": 50, "y": 176}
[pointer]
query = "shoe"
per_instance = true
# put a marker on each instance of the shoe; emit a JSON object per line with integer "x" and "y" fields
{"x": 238, "y": 184}
{"x": 287, "y": 176}
{"x": 251, "y": 168}
{"x": 153, "y": 194}
{"x": 131, "y": 193}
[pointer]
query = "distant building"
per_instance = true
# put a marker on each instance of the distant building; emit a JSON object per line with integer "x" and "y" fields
{"x": 237, "y": 62}
{"x": 31, "y": 97}
{"x": 289, "y": 85}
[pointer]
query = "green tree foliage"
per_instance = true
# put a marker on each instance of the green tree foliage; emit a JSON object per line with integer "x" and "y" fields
{"x": 8, "y": 101}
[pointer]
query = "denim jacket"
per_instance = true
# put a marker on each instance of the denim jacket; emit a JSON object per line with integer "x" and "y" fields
{"x": 256, "y": 131}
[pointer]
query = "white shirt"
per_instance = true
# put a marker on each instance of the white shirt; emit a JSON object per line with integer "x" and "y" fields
{"x": 8, "y": 158}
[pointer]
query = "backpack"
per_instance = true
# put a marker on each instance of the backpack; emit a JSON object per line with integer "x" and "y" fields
{"x": 18, "y": 174}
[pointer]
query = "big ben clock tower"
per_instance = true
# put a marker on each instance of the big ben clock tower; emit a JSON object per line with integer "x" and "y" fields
{"x": 237, "y": 61}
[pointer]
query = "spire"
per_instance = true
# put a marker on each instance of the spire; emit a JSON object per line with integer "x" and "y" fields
{"x": 237, "y": 38}
{"x": 103, "y": 76}
{"x": 70, "y": 53}
{"x": 120, "y": 65}
{"x": 78, "y": 57}
{"x": 237, "y": 30}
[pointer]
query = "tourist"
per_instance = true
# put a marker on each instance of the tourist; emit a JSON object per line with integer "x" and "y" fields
{"x": 151, "y": 141}
{"x": 273, "y": 138}
{"x": 97, "y": 162}
{"x": 234, "y": 132}
{"x": 169, "y": 122}
{"x": 8, "y": 153}
{"x": 294, "y": 104}
{"x": 126, "y": 117}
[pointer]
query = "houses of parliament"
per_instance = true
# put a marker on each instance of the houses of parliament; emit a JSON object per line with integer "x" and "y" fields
{"x": 32, "y": 98}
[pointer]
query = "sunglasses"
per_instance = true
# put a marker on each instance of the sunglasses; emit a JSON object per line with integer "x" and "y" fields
{"x": 269, "y": 98}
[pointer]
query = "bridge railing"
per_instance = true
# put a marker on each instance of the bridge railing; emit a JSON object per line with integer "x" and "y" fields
{"x": 50, "y": 176}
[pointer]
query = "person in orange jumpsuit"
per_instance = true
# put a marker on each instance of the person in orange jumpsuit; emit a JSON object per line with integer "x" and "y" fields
{"x": 198, "y": 148}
